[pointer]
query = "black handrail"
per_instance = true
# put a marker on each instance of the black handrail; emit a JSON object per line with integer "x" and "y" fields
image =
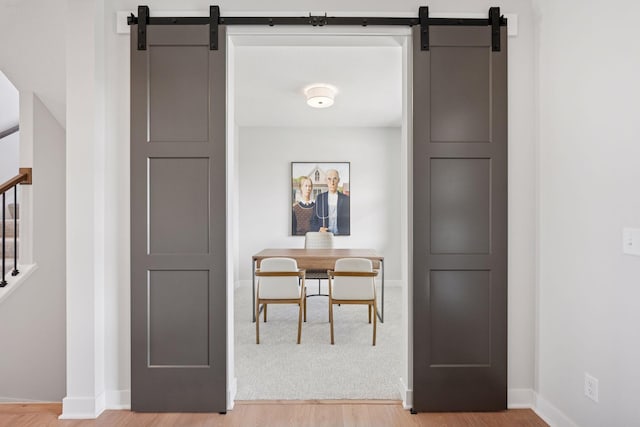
{"x": 24, "y": 177}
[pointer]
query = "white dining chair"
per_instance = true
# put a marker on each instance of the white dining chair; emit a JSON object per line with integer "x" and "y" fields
{"x": 353, "y": 282}
{"x": 280, "y": 282}
{"x": 318, "y": 240}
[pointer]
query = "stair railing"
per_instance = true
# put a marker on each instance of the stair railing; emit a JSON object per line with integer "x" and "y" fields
{"x": 25, "y": 178}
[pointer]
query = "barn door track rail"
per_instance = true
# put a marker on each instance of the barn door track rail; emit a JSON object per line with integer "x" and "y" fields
{"x": 144, "y": 19}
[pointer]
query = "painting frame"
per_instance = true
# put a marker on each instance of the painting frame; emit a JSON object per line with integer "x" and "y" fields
{"x": 318, "y": 209}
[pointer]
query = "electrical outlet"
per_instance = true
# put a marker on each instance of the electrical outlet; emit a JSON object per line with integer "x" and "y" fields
{"x": 591, "y": 387}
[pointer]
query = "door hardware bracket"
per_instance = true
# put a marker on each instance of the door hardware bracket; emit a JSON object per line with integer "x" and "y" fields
{"x": 423, "y": 16}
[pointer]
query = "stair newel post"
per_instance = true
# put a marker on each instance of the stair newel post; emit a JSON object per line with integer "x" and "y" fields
{"x": 15, "y": 232}
{"x": 3, "y": 282}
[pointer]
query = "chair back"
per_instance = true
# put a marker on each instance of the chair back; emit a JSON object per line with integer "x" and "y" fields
{"x": 353, "y": 287}
{"x": 278, "y": 287}
{"x": 318, "y": 240}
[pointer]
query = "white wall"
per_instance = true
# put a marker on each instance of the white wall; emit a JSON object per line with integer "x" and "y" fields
{"x": 9, "y": 159}
{"x": 117, "y": 185}
{"x": 33, "y": 357}
{"x": 90, "y": 260}
{"x": 9, "y": 114}
{"x": 47, "y": 45}
{"x": 32, "y": 49}
{"x": 265, "y": 182}
{"x": 9, "y": 107}
{"x": 589, "y": 172}
{"x": 521, "y": 207}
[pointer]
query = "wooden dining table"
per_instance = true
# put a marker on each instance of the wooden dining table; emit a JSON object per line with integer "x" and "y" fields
{"x": 319, "y": 260}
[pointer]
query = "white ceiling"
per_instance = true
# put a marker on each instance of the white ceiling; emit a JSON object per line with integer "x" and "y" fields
{"x": 270, "y": 77}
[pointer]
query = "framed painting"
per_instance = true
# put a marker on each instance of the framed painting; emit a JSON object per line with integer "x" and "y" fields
{"x": 320, "y": 198}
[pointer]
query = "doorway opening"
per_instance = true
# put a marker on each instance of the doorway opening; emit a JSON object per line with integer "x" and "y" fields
{"x": 269, "y": 126}
{"x": 464, "y": 155}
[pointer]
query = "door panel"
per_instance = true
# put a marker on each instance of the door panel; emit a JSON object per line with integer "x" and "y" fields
{"x": 460, "y": 221}
{"x": 178, "y": 221}
{"x": 459, "y": 215}
{"x": 462, "y": 111}
{"x": 186, "y": 180}
{"x": 178, "y": 111}
{"x": 178, "y": 318}
{"x": 460, "y": 303}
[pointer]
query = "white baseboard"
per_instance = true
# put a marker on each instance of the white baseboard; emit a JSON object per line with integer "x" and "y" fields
{"x": 519, "y": 398}
{"x": 406, "y": 394}
{"x": 231, "y": 394}
{"x": 550, "y": 414}
{"x": 119, "y": 399}
{"x": 82, "y": 408}
{"x": 88, "y": 408}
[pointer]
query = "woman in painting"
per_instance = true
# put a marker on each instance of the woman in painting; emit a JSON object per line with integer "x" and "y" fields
{"x": 302, "y": 208}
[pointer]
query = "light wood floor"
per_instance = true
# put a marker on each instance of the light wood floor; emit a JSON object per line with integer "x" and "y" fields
{"x": 276, "y": 414}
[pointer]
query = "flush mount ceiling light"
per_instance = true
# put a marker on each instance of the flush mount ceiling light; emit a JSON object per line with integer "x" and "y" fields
{"x": 320, "y": 95}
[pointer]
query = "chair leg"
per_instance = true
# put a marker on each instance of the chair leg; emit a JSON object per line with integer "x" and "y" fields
{"x": 258, "y": 322}
{"x": 299, "y": 320}
{"x": 304, "y": 301}
{"x": 375, "y": 320}
{"x": 331, "y": 319}
{"x": 265, "y": 313}
{"x": 369, "y": 312}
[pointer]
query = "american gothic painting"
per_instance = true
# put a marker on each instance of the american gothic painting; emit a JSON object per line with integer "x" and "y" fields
{"x": 320, "y": 196}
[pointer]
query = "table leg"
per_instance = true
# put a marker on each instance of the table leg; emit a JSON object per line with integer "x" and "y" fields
{"x": 253, "y": 290}
{"x": 380, "y": 313}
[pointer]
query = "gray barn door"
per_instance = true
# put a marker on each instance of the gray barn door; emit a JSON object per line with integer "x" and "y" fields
{"x": 178, "y": 221}
{"x": 460, "y": 221}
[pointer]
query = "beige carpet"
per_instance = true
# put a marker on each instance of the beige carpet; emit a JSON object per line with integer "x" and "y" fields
{"x": 277, "y": 368}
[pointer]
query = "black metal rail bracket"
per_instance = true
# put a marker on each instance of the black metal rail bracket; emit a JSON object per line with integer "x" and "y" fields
{"x": 423, "y": 15}
{"x": 494, "y": 20}
{"x": 143, "y": 20}
{"x": 214, "y": 18}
